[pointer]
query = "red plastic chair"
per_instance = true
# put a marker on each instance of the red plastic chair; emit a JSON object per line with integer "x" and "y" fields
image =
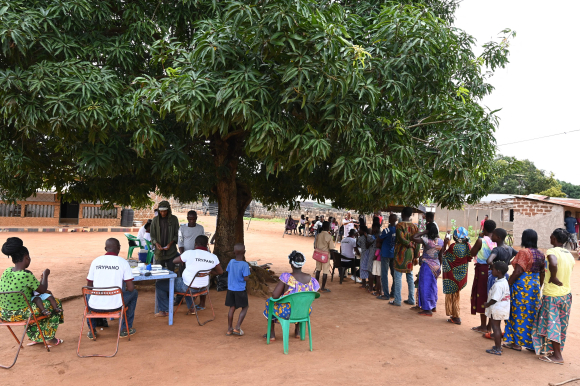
{"x": 192, "y": 295}
{"x": 33, "y": 318}
{"x": 92, "y": 314}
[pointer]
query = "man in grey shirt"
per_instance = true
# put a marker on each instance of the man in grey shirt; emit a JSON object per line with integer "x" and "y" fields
{"x": 189, "y": 232}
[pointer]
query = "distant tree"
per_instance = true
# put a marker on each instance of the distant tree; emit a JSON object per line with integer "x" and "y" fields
{"x": 571, "y": 190}
{"x": 522, "y": 177}
{"x": 364, "y": 103}
{"x": 553, "y": 191}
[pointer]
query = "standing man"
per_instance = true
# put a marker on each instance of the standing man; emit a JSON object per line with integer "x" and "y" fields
{"x": 324, "y": 243}
{"x": 347, "y": 223}
{"x": 389, "y": 236}
{"x": 406, "y": 255}
{"x": 189, "y": 232}
{"x": 110, "y": 270}
{"x": 570, "y": 223}
{"x": 483, "y": 222}
{"x": 164, "y": 235}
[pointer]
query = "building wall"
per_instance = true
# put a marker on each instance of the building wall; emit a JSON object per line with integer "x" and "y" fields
{"x": 472, "y": 215}
{"x": 104, "y": 222}
{"x": 145, "y": 214}
{"x": 539, "y": 216}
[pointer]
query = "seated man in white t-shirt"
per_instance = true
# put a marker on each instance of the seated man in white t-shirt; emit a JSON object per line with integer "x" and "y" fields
{"x": 198, "y": 259}
{"x": 110, "y": 270}
{"x": 347, "y": 247}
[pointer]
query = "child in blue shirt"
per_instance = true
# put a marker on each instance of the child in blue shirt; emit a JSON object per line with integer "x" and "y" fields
{"x": 237, "y": 297}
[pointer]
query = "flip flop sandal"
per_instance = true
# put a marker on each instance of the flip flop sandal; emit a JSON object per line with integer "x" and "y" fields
{"x": 547, "y": 359}
{"x": 487, "y": 335}
{"x": 162, "y": 314}
{"x": 510, "y": 346}
{"x": 392, "y": 303}
{"x": 493, "y": 351}
{"x": 240, "y": 332}
{"x": 265, "y": 336}
{"x": 58, "y": 341}
{"x": 229, "y": 333}
{"x": 453, "y": 322}
{"x": 46, "y": 312}
{"x": 424, "y": 314}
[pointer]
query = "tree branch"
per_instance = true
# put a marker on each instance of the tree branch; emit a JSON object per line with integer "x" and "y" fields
{"x": 428, "y": 123}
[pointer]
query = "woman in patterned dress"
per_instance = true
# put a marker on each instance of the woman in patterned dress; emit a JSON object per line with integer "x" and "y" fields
{"x": 551, "y": 324}
{"x": 290, "y": 283}
{"x": 525, "y": 283}
{"x": 454, "y": 262}
{"x": 13, "y": 307}
{"x": 429, "y": 271}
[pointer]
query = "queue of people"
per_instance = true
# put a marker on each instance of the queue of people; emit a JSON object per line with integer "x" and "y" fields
{"x": 534, "y": 301}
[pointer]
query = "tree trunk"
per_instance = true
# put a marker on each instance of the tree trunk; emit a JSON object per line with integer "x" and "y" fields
{"x": 244, "y": 198}
{"x": 226, "y": 158}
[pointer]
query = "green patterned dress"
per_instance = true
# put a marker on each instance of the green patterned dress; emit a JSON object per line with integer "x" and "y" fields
{"x": 13, "y": 307}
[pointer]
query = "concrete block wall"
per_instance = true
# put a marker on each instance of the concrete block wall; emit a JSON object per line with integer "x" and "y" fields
{"x": 539, "y": 216}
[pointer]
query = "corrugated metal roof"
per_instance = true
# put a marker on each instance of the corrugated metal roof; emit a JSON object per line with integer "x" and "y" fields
{"x": 570, "y": 202}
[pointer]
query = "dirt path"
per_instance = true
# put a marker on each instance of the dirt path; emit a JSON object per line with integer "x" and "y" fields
{"x": 357, "y": 339}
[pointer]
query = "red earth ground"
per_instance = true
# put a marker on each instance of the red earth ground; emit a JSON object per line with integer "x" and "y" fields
{"x": 357, "y": 338}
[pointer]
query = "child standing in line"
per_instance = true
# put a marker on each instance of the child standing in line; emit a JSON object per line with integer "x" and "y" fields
{"x": 237, "y": 296}
{"x": 497, "y": 307}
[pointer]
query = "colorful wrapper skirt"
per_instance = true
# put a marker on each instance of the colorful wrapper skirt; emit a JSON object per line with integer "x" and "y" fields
{"x": 479, "y": 289}
{"x": 551, "y": 323}
{"x": 427, "y": 291}
{"x": 48, "y": 326}
{"x": 525, "y": 301}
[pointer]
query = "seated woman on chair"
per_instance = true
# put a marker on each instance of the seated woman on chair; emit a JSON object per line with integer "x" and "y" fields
{"x": 13, "y": 307}
{"x": 290, "y": 283}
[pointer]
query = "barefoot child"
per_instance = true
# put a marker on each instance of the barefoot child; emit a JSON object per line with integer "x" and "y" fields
{"x": 237, "y": 297}
{"x": 497, "y": 307}
{"x": 39, "y": 298}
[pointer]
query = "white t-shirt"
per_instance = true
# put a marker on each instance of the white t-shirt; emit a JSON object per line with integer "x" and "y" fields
{"x": 141, "y": 233}
{"x": 347, "y": 246}
{"x": 500, "y": 292}
{"x": 186, "y": 236}
{"x": 108, "y": 271}
{"x": 347, "y": 226}
{"x": 197, "y": 260}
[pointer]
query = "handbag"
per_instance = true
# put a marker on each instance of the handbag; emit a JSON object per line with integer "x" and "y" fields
{"x": 321, "y": 256}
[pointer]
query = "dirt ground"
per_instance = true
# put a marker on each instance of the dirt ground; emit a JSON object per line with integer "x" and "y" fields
{"x": 357, "y": 338}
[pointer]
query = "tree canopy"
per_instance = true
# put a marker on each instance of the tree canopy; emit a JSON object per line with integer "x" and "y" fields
{"x": 364, "y": 103}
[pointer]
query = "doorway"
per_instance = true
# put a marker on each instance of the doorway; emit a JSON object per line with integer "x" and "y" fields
{"x": 69, "y": 213}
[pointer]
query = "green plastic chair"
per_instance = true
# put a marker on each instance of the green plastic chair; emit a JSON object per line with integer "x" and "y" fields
{"x": 300, "y": 303}
{"x": 150, "y": 252}
{"x": 130, "y": 237}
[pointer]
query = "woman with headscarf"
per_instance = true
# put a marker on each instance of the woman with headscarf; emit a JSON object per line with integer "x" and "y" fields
{"x": 290, "y": 283}
{"x": 429, "y": 271}
{"x": 164, "y": 235}
{"x": 551, "y": 324}
{"x": 455, "y": 261}
{"x": 525, "y": 283}
{"x": 13, "y": 307}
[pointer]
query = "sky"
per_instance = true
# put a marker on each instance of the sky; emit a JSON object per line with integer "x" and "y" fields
{"x": 538, "y": 91}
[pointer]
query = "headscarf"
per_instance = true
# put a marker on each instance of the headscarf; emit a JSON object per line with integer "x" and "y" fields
{"x": 460, "y": 235}
{"x": 294, "y": 256}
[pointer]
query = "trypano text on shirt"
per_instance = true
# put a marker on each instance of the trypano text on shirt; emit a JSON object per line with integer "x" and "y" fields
{"x": 204, "y": 260}
{"x": 115, "y": 267}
